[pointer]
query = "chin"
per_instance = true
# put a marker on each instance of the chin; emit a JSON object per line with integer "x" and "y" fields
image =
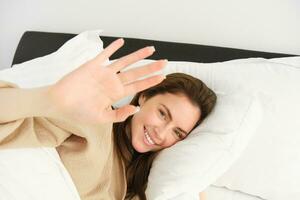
{"x": 139, "y": 147}
{"x": 138, "y": 144}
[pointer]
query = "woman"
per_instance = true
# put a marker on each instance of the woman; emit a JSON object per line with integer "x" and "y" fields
{"x": 105, "y": 160}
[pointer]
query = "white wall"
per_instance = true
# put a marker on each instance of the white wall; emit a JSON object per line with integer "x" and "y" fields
{"x": 266, "y": 25}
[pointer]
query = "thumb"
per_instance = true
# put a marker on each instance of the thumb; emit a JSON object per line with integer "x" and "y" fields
{"x": 122, "y": 113}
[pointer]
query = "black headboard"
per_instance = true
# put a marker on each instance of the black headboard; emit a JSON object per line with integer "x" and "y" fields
{"x": 35, "y": 44}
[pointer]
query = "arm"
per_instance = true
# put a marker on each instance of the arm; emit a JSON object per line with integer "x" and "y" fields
{"x": 20, "y": 124}
{"x": 17, "y": 103}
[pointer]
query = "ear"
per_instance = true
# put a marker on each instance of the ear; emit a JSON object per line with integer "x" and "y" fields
{"x": 142, "y": 99}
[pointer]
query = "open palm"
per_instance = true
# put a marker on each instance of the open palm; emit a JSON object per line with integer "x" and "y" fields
{"x": 87, "y": 93}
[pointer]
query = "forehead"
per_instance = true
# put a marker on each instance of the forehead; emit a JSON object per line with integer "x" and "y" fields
{"x": 184, "y": 113}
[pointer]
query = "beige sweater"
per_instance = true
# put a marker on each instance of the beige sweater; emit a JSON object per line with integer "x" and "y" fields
{"x": 87, "y": 151}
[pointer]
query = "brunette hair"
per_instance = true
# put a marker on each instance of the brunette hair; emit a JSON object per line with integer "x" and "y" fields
{"x": 138, "y": 164}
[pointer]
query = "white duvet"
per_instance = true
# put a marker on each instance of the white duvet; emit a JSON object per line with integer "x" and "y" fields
{"x": 34, "y": 174}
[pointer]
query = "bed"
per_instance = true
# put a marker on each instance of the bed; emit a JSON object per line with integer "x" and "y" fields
{"x": 34, "y": 44}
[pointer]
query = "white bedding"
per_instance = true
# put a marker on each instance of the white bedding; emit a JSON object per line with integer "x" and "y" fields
{"x": 40, "y": 168}
{"x": 34, "y": 174}
{"x": 221, "y": 193}
{"x": 21, "y": 170}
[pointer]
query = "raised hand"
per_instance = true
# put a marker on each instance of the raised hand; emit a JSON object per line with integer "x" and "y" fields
{"x": 87, "y": 93}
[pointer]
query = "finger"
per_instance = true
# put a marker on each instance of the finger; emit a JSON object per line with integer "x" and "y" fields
{"x": 121, "y": 114}
{"x": 123, "y": 62}
{"x": 140, "y": 85}
{"x": 134, "y": 74}
{"x": 108, "y": 51}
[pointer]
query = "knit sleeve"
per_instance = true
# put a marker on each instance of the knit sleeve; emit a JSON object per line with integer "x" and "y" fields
{"x": 22, "y": 131}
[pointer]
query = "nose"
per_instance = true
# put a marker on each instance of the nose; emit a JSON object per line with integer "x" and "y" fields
{"x": 161, "y": 132}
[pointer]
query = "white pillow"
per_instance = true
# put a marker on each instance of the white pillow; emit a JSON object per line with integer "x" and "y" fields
{"x": 50, "y": 68}
{"x": 42, "y": 175}
{"x": 188, "y": 167}
{"x": 195, "y": 163}
{"x": 269, "y": 167}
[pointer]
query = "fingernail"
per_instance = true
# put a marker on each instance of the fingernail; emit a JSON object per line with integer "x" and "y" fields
{"x": 120, "y": 40}
{"x": 137, "y": 109}
{"x": 164, "y": 60}
{"x": 151, "y": 48}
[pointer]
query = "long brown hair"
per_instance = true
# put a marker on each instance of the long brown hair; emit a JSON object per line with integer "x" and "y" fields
{"x": 138, "y": 164}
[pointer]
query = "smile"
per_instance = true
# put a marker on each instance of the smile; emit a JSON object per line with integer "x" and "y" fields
{"x": 149, "y": 141}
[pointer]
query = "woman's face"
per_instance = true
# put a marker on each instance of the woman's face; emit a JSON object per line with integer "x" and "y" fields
{"x": 162, "y": 121}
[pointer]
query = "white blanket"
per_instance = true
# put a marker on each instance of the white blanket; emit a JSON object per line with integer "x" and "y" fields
{"x": 34, "y": 174}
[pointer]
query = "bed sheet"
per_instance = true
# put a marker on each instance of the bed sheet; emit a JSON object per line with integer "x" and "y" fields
{"x": 222, "y": 193}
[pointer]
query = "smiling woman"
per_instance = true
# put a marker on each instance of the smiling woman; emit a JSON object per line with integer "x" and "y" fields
{"x": 168, "y": 112}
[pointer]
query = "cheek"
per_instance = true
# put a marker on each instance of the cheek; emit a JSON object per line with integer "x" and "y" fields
{"x": 147, "y": 117}
{"x": 141, "y": 119}
{"x": 170, "y": 141}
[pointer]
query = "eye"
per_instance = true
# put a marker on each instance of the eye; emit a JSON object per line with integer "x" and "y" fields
{"x": 162, "y": 113}
{"x": 178, "y": 134}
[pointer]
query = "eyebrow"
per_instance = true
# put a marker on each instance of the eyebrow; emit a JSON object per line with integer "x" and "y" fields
{"x": 169, "y": 114}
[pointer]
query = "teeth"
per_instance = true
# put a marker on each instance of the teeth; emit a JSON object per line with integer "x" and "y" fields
{"x": 148, "y": 138}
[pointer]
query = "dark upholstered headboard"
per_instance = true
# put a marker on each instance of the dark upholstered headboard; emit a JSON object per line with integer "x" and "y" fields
{"x": 35, "y": 44}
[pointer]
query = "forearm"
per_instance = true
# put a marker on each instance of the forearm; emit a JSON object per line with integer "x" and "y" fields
{"x": 18, "y": 103}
